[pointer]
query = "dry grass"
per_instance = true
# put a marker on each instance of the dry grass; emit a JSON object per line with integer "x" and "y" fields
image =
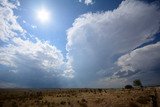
{"x": 79, "y": 97}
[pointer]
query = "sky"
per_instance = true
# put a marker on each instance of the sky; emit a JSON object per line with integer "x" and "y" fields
{"x": 79, "y": 43}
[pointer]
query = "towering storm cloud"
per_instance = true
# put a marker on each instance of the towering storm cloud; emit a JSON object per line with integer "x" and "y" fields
{"x": 97, "y": 40}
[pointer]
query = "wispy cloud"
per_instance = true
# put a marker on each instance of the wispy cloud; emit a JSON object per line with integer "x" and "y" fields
{"x": 30, "y": 25}
{"x": 87, "y": 2}
{"x": 24, "y": 21}
{"x": 33, "y": 26}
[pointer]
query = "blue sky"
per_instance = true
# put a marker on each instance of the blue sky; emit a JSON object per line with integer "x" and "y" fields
{"x": 84, "y": 43}
{"x": 63, "y": 15}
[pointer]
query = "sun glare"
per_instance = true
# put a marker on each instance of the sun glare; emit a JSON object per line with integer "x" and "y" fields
{"x": 43, "y": 15}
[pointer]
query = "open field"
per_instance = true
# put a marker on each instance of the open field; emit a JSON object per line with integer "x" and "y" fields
{"x": 148, "y": 97}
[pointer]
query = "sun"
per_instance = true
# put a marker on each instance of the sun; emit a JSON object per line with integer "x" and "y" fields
{"x": 43, "y": 15}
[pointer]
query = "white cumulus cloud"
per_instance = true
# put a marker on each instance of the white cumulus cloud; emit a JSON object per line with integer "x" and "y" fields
{"x": 27, "y": 61}
{"x": 8, "y": 23}
{"x": 96, "y": 39}
{"x": 145, "y": 59}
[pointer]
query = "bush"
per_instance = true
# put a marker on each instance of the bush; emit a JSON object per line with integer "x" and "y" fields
{"x": 128, "y": 87}
{"x": 69, "y": 103}
{"x": 84, "y": 101}
{"x": 118, "y": 96}
{"x": 100, "y": 90}
{"x": 63, "y": 102}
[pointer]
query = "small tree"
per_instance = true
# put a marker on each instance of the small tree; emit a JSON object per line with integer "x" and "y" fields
{"x": 137, "y": 82}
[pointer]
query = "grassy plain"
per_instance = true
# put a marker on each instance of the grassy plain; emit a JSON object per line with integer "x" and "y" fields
{"x": 148, "y": 97}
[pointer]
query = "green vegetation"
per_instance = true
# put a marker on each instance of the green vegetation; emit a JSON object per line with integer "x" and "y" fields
{"x": 137, "y": 82}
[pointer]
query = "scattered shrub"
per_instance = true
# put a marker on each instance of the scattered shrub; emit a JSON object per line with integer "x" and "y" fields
{"x": 68, "y": 95}
{"x": 69, "y": 103}
{"x": 118, "y": 96}
{"x": 84, "y": 101}
{"x": 143, "y": 100}
{"x": 100, "y": 90}
{"x": 63, "y": 102}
